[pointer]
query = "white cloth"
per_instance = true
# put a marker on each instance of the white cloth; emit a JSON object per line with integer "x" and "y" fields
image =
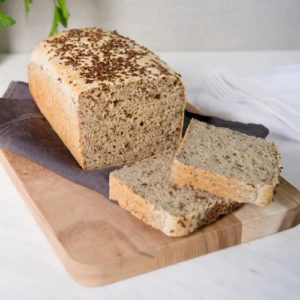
{"x": 272, "y": 99}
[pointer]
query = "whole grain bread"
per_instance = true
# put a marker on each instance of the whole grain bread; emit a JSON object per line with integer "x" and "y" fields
{"x": 227, "y": 163}
{"x": 146, "y": 191}
{"x": 110, "y": 100}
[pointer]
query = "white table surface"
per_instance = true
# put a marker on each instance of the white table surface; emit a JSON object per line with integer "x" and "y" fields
{"x": 268, "y": 268}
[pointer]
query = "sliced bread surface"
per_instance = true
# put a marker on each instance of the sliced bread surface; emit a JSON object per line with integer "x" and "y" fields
{"x": 227, "y": 163}
{"x": 146, "y": 191}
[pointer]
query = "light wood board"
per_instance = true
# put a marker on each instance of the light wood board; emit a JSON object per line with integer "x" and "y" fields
{"x": 99, "y": 243}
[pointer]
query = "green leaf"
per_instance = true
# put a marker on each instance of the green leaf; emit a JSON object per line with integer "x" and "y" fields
{"x": 55, "y": 21}
{"x": 62, "y": 19}
{"x": 1, "y": 1}
{"x": 64, "y": 9}
{"x": 60, "y": 16}
{"x": 6, "y": 20}
{"x": 27, "y": 5}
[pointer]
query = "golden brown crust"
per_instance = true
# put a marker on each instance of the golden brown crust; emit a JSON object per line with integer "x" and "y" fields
{"x": 222, "y": 186}
{"x": 265, "y": 195}
{"x": 52, "y": 103}
{"x": 88, "y": 57}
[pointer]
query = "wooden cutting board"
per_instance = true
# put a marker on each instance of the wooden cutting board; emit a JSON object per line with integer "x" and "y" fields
{"x": 99, "y": 243}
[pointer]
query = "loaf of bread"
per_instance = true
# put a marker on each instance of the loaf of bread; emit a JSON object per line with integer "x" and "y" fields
{"x": 227, "y": 163}
{"x": 110, "y": 100}
{"x": 146, "y": 191}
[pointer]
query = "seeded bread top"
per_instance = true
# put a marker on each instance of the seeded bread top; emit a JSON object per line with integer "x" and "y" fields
{"x": 88, "y": 57}
{"x": 230, "y": 153}
{"x": 151, "y": 180}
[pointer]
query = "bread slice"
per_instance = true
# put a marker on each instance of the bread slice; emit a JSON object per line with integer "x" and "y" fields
{"x": 110, "y": 100}
{"x": 227, "y": 163}
{"x": 146, "y": 191}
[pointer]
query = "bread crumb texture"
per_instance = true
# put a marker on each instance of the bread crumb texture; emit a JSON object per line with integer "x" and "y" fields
{"x": 230, "y": 153}
{"x": 147, "y": 191}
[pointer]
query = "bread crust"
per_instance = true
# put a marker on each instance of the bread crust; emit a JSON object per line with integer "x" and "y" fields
{"x": 222, "y": 186}
{"x": 57, "y": 108}
{"x": 78, "y": 78}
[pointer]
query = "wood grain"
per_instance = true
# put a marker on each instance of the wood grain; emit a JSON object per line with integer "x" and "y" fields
{"x": 99, "y": 243}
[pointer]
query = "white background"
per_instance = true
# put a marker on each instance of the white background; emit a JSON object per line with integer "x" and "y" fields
{"x": 168, "y": 25}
